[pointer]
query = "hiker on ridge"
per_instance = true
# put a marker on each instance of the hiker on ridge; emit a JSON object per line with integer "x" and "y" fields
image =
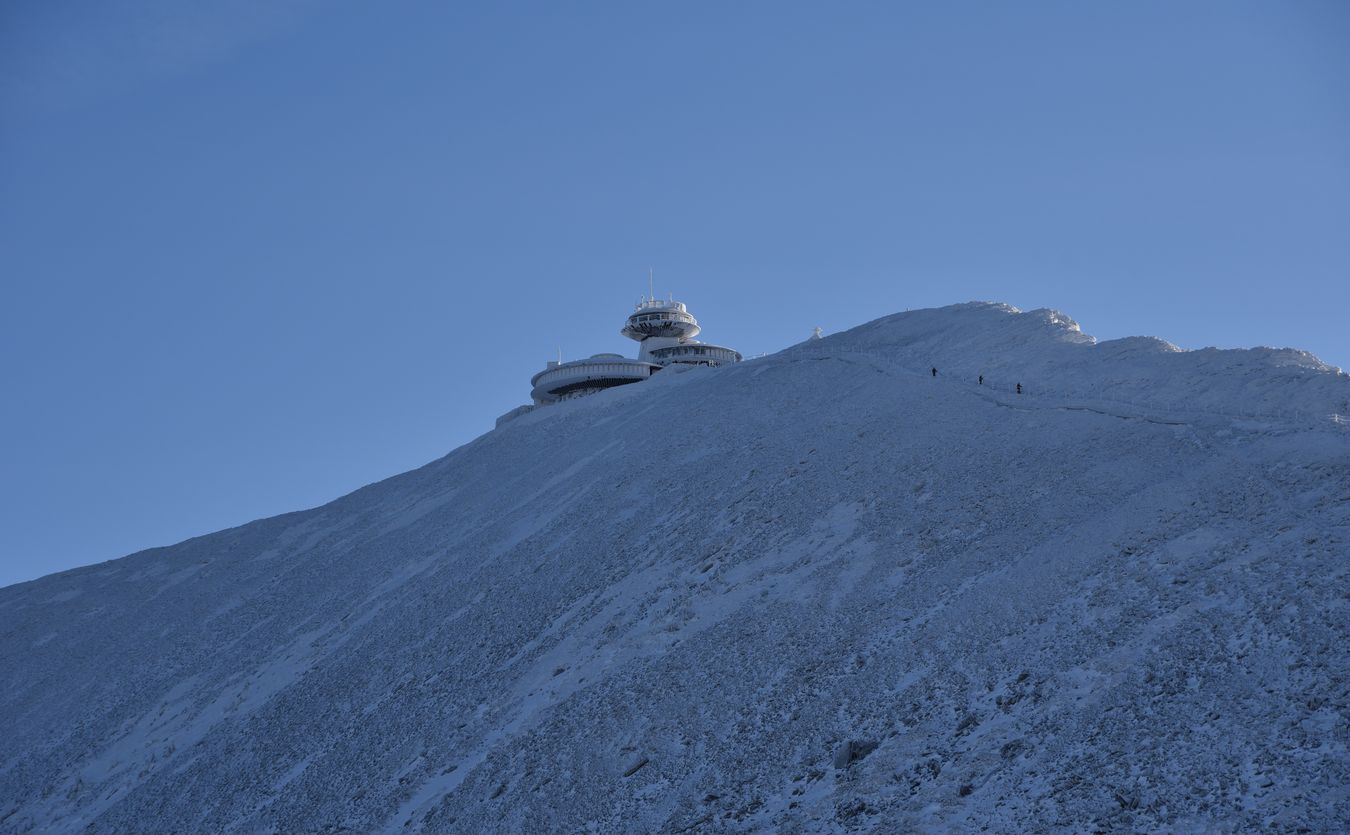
{"x": 935, "y": 371}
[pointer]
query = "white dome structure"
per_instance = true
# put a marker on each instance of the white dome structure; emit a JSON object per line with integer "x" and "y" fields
{"x": 664, "y": 330}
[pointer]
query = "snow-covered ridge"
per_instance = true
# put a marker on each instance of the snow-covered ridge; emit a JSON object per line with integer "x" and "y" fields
{"x": 1048, "y": 353}
{"x": 819, "y": 591}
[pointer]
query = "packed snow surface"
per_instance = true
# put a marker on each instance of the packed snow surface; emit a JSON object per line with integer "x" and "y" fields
{"x": 819, "y": 591}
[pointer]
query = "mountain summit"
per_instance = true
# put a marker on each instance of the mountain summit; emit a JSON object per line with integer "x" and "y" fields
{"x": 846, "y": 586}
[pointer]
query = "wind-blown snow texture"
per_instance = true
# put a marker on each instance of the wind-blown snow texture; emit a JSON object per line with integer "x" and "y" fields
{"x": 817, "y": 591}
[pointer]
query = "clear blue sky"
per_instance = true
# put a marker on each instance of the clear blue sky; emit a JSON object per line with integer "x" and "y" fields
{"x": 256, "y": 255}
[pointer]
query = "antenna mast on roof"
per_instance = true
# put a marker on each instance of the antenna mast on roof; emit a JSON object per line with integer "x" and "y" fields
{"x": 651, "y": 283}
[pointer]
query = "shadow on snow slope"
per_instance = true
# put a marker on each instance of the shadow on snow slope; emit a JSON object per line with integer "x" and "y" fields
{"x": 814, "y": 592}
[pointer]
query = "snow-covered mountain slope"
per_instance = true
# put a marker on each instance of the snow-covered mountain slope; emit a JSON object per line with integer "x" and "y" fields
{"x": 818, "y": 591}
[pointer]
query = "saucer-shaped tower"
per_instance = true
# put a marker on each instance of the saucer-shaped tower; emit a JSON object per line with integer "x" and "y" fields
{"x": 664, "y": 330}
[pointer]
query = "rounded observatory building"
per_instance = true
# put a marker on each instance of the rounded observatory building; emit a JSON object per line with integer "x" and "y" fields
{"x": 664, "y": 330}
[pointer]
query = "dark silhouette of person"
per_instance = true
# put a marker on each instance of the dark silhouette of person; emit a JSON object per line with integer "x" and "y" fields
{"x": 934, "y": 371}
{"x": 981, "y": 379}
{"x": 1019, "y": 388}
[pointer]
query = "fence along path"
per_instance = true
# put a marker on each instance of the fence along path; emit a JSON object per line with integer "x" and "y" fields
{"x": 1038, "y": 393}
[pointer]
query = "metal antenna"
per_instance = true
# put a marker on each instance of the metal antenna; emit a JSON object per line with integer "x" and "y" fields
{"x": 651, "y": 283}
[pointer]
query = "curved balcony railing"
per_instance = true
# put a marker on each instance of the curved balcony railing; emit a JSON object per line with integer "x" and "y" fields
{"x": 696, "y": 354}
{"x": 670, "y": 324}
{"x": 557, "y": 382}
{"x": 660, "y": 304}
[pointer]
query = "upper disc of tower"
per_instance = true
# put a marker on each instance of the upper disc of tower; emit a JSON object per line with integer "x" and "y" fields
{"x": 660, "y": 318}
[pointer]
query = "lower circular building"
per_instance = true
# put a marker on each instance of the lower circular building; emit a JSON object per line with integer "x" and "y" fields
{"x": 694, "y": 353}
{"x": 578, "y": 378}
